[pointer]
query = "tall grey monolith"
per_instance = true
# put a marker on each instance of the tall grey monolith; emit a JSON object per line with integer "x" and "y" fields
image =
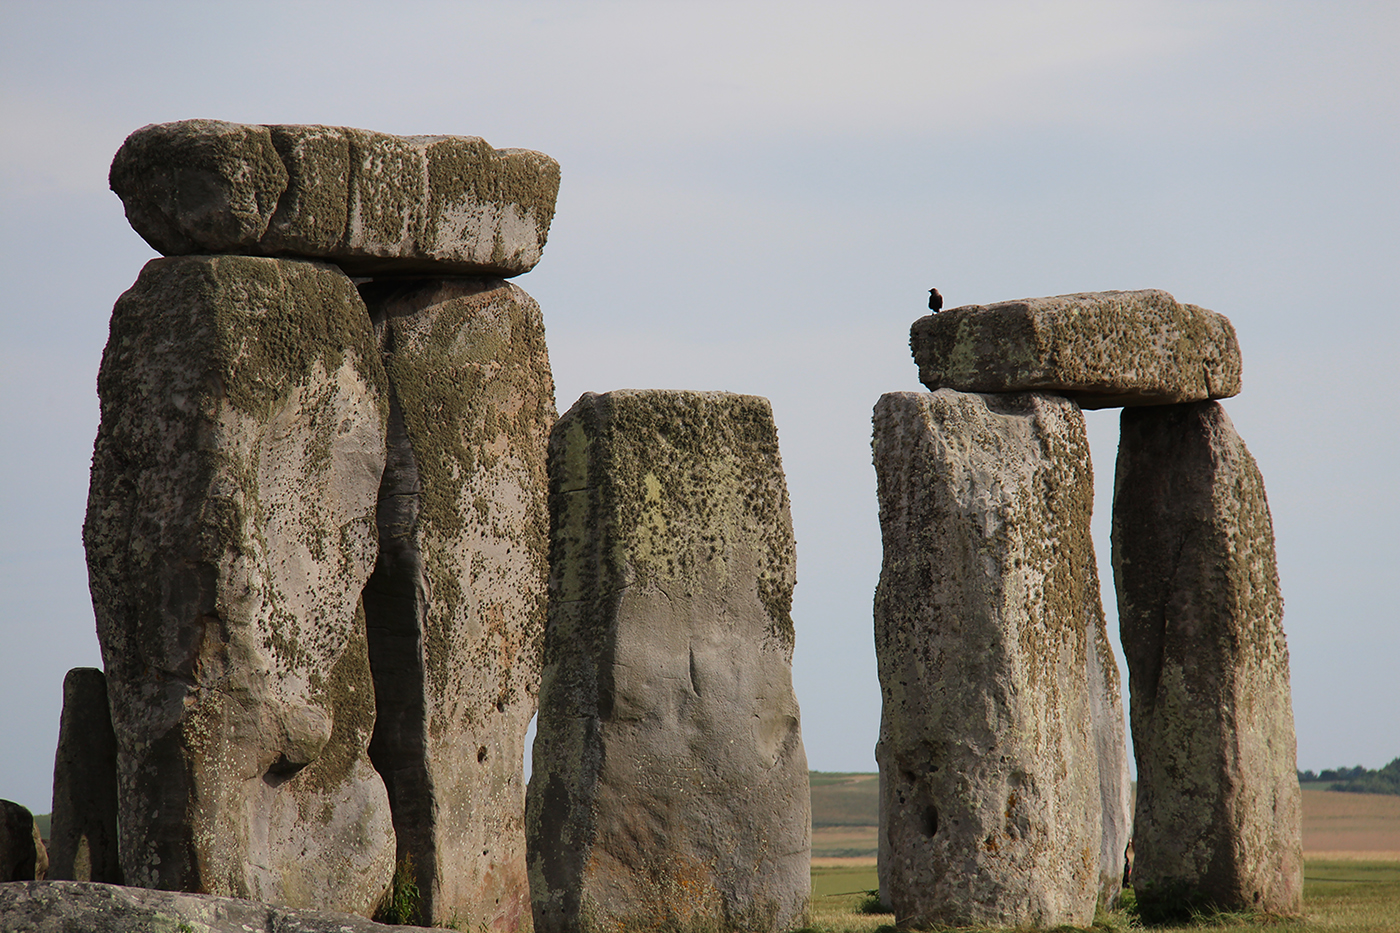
{"x": 83, "y": 832}
{"x": 670, "y": 785}
{"x": 230, "y": 530}
{"x": 990, "y": 801}
{"x": 456, "y": 605}
{"x": 1218, "y": 817}
{"x": 1111, "y": 746}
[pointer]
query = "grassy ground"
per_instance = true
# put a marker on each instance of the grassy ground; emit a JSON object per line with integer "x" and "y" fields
{"x": 1339, "y": 896}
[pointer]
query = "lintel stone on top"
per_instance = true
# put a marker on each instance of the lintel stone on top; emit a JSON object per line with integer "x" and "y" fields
{"x": 370, "y": 202}
{"x": 1102, "y": 349}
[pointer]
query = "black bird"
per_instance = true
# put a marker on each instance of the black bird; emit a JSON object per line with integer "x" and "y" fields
{"x": 935, "y": 300}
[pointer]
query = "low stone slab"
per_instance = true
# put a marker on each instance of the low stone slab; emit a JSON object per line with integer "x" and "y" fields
{"x": 456, "y": 605}
{"x": 1218, "y": 808}
{"x": 229, "y": 533}
{"x": 83, "y": 833}
{"x": 990, "y": 797}
{"x": 1102, "y": 349}
{"x": 66, "y": 906}
{"x": 370, "y": 202}
{"x": 670, "y": 784}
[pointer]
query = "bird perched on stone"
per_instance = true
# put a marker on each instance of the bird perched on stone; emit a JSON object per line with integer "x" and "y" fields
{"x": 935, "y": 300}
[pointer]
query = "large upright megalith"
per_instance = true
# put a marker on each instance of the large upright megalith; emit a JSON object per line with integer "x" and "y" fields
{"x": 990, "y": 800}
{"x": 1218, "y": 820}
{"x": 670, "y": 786}
{"x": 83, "y": 834}
{"x": 230, "y": 530}
{"x": 456, "y": 605}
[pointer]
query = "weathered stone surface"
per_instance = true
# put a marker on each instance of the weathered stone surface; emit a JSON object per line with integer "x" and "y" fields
{"x": 230, "y": 530}
{"x": 1102, "y": 349}
{"x": 1218, "y": 807}
{"x": 22, "y": 853}
{"x": 1111, "y": 748}
{"x": 456, "y": 605}
{"x": 70, "y": 907}
{"x": 83, "y": 834}
{"x": 371, "y": 202}
{"x": 990, "y": 802}
{"x": 669, "y": 788}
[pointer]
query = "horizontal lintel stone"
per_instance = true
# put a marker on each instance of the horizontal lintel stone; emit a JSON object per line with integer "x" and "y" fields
{"x": 372, "y": 203}
{"x": 1102, "y": 349}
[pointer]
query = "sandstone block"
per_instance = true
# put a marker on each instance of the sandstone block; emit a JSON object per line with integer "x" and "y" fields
{"x": 670, "y": 786}
{"x": 990, "y": 805}
{"x": 89, "y": 907}
{"x": 1102, "y": 349}
{"x": 456, "y": 605}
{"x": 1218, "y": 807}
{"x": 22, "y": 853}
{"x": 370, "y": 202}
{"x": 229, "y": 533}
{"x": 1111, "y": 748}
{"x": 83, "y": 834}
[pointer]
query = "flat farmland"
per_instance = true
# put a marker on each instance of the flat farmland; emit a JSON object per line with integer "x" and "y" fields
{"x": 845, "y": 816}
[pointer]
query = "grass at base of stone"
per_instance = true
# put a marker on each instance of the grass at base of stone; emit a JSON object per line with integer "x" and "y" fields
{"x": 1338, "y": 897}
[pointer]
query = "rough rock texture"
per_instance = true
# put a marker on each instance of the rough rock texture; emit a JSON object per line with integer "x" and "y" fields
{"x": 230, "y": 530}
{"x": 22, "y": 853}
{"x": 670, "y": 786}
{"x": 1218, "y": 811}
{"x": 78, "y": 907}
{"x": 990, "y": 802}
{"x": 1111, "y": 747}
{"x": 1103, "y": 349}
{"x": 456, "y": 605}
{"x": 370, "y": 202}
{"x": 83, "y": 834}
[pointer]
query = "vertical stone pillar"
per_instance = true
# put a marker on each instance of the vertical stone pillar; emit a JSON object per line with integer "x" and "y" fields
{"x": 990, "y": 800}
{"x": 1111, "y": 747}
{"x": 1218, "y": 812}
{"x": 456, "y": 605}
{"x": 670, "y": 784}
{"x": 229, "y": 533}
{"x": 83, "y": 833}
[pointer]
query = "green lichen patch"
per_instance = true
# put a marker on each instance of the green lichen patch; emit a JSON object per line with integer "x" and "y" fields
{"x": 465, "y": 172}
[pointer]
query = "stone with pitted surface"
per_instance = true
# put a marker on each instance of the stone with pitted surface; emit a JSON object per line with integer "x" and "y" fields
{"x": 456, "y": 605}
{"x": 1218, "y": 808}
{"x": 229, "y": 533}
{"x": 670, "y": 785}
{"x": 83, "y": 834}
{"x": 370, "y": 202}
{"x": 22, "y": 853}
{"x": 985, "y": 618}
{"x": 1102, "y": 349}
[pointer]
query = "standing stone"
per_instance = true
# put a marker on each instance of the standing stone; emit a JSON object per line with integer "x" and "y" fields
{"x": 22, "y": 853}
{"x": 1218, "y": 819}
{"x": 456, "y": 605}
{"x": 1111, "y": 746}
{"x": 83, "y": 834}
{"x": 990, "y": 803}
{"x": 670, "y": 784}
{"x": 230, "y": 530}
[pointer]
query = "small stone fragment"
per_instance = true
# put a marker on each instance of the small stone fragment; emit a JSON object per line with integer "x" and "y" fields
{"x": 670, "y": 784}
{"x": 991, "y": 806}
{"x": 22, "y": 854}
{"x": 83, "y": 834}
{"x": 229, "y": 533}
{"x": 1218, "y": 821}
{"x": 370, "y": 202}
{"x": 1102, "y": 349}
{"x": 456, "y": 605}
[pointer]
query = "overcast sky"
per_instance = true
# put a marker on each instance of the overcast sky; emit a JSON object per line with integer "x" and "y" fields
{"x": 756, "y": 198}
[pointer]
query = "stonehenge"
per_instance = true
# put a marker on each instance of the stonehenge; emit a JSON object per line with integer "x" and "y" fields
{"x": 670, "y": 786}
{"x": 982, "y": 505}
{"x": 341, "y": 550}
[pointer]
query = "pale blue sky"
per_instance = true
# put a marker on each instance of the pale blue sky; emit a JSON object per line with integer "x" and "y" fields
{"x": 756, "y": 197}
